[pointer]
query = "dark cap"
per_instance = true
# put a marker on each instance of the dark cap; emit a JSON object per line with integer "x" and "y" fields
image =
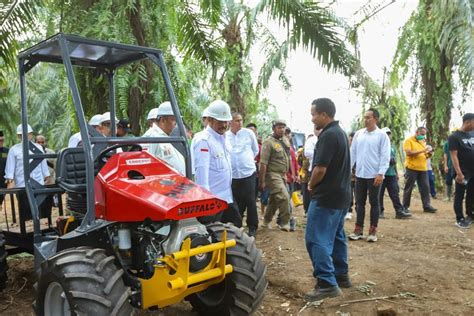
{"x": 125, "y": 125}
{"x": 278, "y": 122}
{"x": 468, "y": 117}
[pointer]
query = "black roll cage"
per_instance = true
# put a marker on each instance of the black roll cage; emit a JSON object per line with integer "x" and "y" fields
{"x": 72, "y": 50}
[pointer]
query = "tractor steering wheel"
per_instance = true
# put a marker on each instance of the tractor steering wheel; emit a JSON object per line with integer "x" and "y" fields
{"x": 105, "y": 154}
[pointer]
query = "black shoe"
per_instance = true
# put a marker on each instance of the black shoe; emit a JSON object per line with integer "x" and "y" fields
{"x": 343, "y": 281}
{"x": 462, "y": 223}
{"x": 252, "y": 232}
{"x": 319, "y": 293}
{"x": 401, "y": 214}
{"x": 468, "y": 219}
{"x": 429, "y": 209}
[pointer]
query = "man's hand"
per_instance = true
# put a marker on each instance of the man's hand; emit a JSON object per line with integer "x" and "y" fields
{"x": 261, "y": 185}
{"x": 460, "y": 178}
{"x": 10, "y": 185}
{"x": 378, "y": 180}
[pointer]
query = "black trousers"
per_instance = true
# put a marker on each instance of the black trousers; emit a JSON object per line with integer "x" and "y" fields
{"x": 306, "y": 196}
{"x": 243, "y": 191}
{"x": 459, "y": 192}
{"x": 391, "y": 183}
{"x": 421, "y": 178}
{"x": 362, "y": 187}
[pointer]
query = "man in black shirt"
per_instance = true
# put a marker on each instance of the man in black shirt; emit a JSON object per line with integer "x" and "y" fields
{"x": 3, "y": 162}
{"x": 330, "y": 185}
{"x": 461, "y": 149}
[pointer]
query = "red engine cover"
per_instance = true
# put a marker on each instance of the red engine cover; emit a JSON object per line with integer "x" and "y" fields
{"x": 161, "y": 194}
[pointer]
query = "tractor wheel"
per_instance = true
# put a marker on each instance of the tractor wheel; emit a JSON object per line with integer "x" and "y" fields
{"x": 81, "y": 281}
{"x": 3, "y": 263}
{"x": 242, "y": 291}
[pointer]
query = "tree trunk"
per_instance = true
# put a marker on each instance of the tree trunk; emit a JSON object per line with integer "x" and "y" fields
{"x": 139, "y": 94}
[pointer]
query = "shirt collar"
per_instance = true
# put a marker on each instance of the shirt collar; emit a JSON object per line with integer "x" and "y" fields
{"x": 214, "y": 133}
{"x": 158, "y": 129}
{"x": 330, "y": 125}
{"x": 366, "y": 131}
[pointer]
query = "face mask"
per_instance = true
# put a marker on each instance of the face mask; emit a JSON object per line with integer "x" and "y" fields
{"x": 420, "y": 137}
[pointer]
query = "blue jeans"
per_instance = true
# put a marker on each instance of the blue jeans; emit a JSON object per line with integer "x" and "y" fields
{"x": 326, "y": 242}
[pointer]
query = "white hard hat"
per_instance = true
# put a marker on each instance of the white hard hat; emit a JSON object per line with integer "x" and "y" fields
{"x": 95, "y": 120}
{"x": 219, "y": 110}
{"x": 152, "y": 114}
{"x": 106, "y": 117}
{"x": 19, "y": 129}
{"x": 164, "y": 109}
{"x": 386, "y": 130}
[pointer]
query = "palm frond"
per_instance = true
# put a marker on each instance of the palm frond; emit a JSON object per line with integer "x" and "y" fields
{"x": 16, "y": 18}
{"x": 457, "y": 34}
{"x": 194, "y": 38}
{"x": 212, "y": 10}
{"x": 314, "y": 28}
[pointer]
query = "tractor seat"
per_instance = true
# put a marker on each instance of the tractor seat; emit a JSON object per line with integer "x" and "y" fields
{"x": 71, "y": 170}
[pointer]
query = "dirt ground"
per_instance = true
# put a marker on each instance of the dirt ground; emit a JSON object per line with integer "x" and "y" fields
{"x": 423, "y": 265}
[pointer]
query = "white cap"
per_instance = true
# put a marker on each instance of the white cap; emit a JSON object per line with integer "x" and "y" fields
{"x": 19, "y": 129}
{"x": 219, "y": 110}
{"x": 386, "y": 130}
{"x": 152, "y": 114}
{"x": 95, "y": 120}
{"x": 164, "y": 110}
{"x": 106, "y": 117}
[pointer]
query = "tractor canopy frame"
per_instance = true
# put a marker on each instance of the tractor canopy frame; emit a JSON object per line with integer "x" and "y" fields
{"x": 107, "y": 57}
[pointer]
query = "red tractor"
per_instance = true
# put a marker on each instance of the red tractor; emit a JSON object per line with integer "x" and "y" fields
{"x": 142, "y": 235}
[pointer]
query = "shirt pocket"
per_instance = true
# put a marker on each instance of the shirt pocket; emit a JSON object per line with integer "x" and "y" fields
{"x": 217, "y": 161}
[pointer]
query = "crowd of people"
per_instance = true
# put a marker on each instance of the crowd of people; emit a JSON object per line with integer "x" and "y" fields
{"x": 333, "y": 170}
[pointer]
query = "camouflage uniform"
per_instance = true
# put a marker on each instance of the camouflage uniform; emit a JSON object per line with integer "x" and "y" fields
{"x": 275, "y": 154}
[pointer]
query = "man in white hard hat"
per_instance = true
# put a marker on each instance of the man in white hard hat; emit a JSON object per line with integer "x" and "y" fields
{"x": 105, "y": 124}
{"x": 14, "y": 172}
{"x": 212, "y": 161}
{"x": 75, "y": 140}
{"x": 163, "y": 126}
{"x": 151, "y": 117}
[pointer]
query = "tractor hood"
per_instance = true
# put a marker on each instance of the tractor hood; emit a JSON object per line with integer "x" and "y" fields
{"x": 133, "y": 186}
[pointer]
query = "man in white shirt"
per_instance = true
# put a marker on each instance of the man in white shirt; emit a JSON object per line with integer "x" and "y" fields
{"x": 370, "y": 155}
{"x": 14, "y": 171}
{"x": 244, "y": 149}
{"x": 75, "y": 140}
{"x": 163, "y": 126}
{"x": 212, "y": 162}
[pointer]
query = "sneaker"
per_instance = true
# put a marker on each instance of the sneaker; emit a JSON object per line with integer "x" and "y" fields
{"x": 469, "y": 219}
{"x": 401, "y": 214}
{"x": 372, "y": 234}
{"x": 343, "y": 281}
{"x": 285, "y": 228}
{"x": 429, "y": 209}
{"x": 319, "y": 293}
{"x": 267, "y": 225}
{"x": 357, "y": 234}
{"x": 462, "y": 223}
{"x": 382, "y": 215}
{"x": 348, "y": 216}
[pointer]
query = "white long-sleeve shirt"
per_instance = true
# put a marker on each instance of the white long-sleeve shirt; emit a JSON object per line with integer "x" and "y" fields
{"x": 309, "y": 150}
{"x": 212, "y": 164}
{"x": 370, "y": 153}
{"x": 244, "y": 148}
{"x": 14, "y": 167}
{"x": 165, "y": 151}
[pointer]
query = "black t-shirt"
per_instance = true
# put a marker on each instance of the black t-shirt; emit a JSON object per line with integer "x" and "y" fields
{"x": 463, "y": 142}
{"x": 3, "y": 163}
{"x": 332, "y": 151}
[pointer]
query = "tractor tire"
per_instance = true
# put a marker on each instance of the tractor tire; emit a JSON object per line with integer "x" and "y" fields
{"x": 3, "y": 263}
{"x": 242, "y": 290}
{"x": 81, "y": 281}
